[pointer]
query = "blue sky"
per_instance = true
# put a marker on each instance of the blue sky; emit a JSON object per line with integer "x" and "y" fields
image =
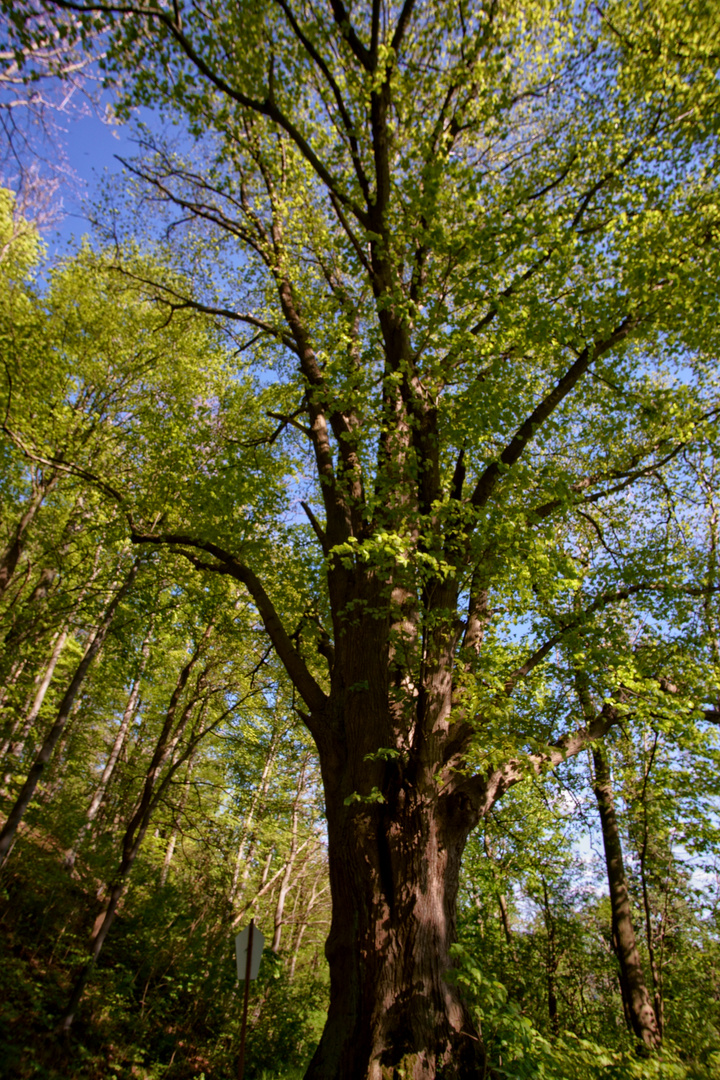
{"x": 90, "y": 146}
{"x": 67, "y": 146}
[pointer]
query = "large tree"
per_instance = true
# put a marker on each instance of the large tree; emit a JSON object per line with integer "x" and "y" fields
{"x": 474, "y": 247}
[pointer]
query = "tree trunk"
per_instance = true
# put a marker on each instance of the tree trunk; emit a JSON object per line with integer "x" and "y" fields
{"x": 43, "y": 684}
{"x": 394, "y": 876}
{"x": 44, "y": 756}
{"x": 170, "y": 849}
{"x": 11, "y": 556}
{"x": 114, "y": 754}
{"x": 655, "y": 968}
{"x": 632, "y": 978}
{"x": 551, "y": 963}
{"x": 10, "y": 726}
{"x": 317, "y": 891}
{"x": 501, "y": 900}
{"x": 248, "y": 837}
{"x": 154, "y": 786}
{"x": 290, "y": 864}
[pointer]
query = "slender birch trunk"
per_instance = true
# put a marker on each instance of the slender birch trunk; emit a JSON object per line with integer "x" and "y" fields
{"x": 292, "y": 856}
{"x": 655, "y": 970}
{"x": 15, "y": 672}
{"x": 170, "y": 849}
{"x": 247, "y": 842}
{"x": 315, "y": 895}
{"x": 9, "y": 745}
{"x": 16, "y": 748}
{"x": 153, "y": 790}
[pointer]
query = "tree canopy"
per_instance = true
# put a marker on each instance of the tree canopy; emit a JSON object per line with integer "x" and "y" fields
{"x": 418, "y": 311}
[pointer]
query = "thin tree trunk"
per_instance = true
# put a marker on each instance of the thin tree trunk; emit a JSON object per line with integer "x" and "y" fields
{"x": 247, "y": 842}
{"x": 170, "y": 850}
{"x": 292, "y": 855}
{"x": 115, "y": 750}
{"x": 59, "y": 762}
{"x": 632, "y": 978}
{"x": 649, "y": 936}
{"x": 44, "y": 756}
{"x": 16, "y": 749}
{"x": 11, "y": 556}
{"x": 136, "y": 828}
{"x": 315, "y": 895}
{"x": 551, "y": 963}
{"x": 15, "y": 672}
{"x": 502, "y": 902}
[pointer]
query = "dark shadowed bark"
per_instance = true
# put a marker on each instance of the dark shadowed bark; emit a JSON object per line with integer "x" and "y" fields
{"x": 394, "y": 874}
{"x": 632, "y": 977}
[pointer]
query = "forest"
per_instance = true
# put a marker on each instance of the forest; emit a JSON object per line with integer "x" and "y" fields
{"x": 359, "y": 541}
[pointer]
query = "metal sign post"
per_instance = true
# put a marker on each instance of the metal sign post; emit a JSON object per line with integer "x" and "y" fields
{"x": 248, "y": 949}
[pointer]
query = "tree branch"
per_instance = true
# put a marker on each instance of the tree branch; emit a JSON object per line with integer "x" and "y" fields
{"x": 266, "y": 107}
{"x": 484, "y": 791}
{"x": 305, "y": 684}
{"x": 330, "y": 79}
{"x": 359, "y": 51}
{"x": 526, "y": 432}
{"x": 600, "y": 602}
{"x": 402, "y": 24}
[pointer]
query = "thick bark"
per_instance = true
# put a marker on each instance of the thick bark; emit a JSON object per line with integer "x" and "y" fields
{"x": 632, "y": 978}
{"x": 44, "y": 755}
{"x": 394, "y": 875}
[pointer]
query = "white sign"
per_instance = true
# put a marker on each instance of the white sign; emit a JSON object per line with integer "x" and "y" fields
{"x": 241, "y": 948}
